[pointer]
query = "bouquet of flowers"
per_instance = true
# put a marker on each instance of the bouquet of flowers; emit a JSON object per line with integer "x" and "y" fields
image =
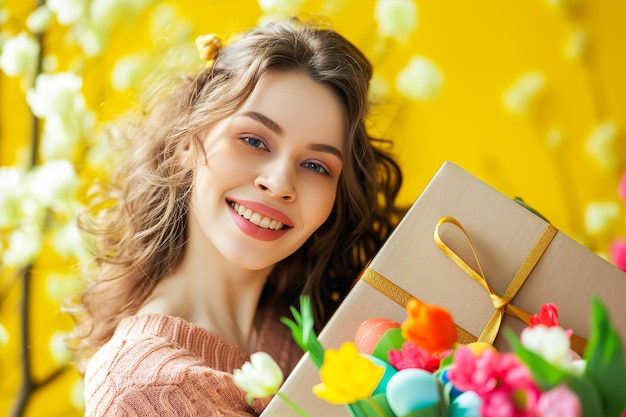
{"x": 417, "y": 369}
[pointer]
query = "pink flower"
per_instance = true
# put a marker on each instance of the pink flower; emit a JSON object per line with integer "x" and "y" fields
{"x": 501, "y": 380}
{"x": 548, "y": 316}
{"x": 559, "y": 402}
{"x": 471, "y": 373}
{"x": 412, "y": 356}
{"x": 618, "y": 253}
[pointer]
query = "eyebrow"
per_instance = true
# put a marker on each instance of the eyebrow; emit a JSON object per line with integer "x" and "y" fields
{"x": 275, "y": 127}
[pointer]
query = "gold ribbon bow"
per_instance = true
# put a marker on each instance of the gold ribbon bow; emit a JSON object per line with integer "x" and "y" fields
{"x": 501, "y": 304}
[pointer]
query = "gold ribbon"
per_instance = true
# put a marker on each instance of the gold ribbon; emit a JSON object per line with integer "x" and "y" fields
{"x": 501, "y": 304}
{"x": 401, "y": 297}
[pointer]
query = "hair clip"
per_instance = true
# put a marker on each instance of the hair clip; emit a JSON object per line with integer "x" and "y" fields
{"x": 208, "y": 47}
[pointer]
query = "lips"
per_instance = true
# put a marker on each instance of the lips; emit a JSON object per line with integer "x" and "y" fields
{"x": 256, "y": 218}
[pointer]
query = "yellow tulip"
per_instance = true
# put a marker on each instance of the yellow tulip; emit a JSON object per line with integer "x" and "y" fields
{"x": 347, "y": 376}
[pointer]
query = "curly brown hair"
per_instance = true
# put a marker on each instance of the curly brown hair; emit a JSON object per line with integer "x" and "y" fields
{"x": 138, "y": 219}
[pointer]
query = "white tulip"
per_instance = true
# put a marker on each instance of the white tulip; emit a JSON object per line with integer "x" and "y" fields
{"x": 261, "y": 377}
{"x": 396, "y": 18}
{"x": 19, "y": 55}
{"x": 551, "y": 343}
{"x": 420, "y": 80}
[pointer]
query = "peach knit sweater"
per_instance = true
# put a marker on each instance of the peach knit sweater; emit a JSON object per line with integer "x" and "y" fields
{"x": 164, "y": 366}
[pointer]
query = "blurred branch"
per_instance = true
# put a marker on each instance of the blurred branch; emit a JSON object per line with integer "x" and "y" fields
{"x": 28, "y": 383}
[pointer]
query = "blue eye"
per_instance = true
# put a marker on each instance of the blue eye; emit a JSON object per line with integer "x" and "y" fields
{"x": 312, "y": 166}
{"x": 254, "y": 142}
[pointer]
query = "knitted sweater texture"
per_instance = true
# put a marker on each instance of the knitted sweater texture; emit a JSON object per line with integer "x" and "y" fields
{"x": 156, "y": 365}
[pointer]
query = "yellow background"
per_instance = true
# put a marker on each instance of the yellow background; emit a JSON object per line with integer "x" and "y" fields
{"x": 481, "y": 48}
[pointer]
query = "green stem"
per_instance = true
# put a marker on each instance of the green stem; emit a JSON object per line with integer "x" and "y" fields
{"x": 293, "y": 405}
{"x": 376, "y": 407}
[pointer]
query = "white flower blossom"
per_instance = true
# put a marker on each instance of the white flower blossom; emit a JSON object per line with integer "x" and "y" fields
{"x": 280, "y": 6}
{"x": 563, "y": 4}
{"x": 554, "y": 138}
{"x": 396, "y": 18}
{"x": 522, "y": 96}
{"x": 62, "y": 133}
{"x": 110, "y": 11}
{"x": 420, "y": 80}
{"x": 128, "y": 70}
{"x": 77, "y": 394}
{"x": 55, "y": 93}
{"x": 11, "y": 184}
{"x": 24, "y": 246}
{"x": 68, "y": 12}
{"x": 576, "y": 44}
{"x": 40, "y": 19}
{"x": 53, "y": 184}
{"x": 551, "y": 343}
{"x": 19, "y": 55}
{"x": 68, "y": 242}
{"x": 4, "y": 336}
{"x": 92, "y": 36}
{"x": 601, "y": 216}
{"x": 261, "y": 377}
{"x": 59, "y": 352}
{"x": 602, "y": 146}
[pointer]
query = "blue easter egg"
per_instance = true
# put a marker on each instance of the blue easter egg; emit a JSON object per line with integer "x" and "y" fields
{"x": 412, "y": 389}
{"x": 466, "y": 404}
{"x": 389, "y": 372}
{"x": 443, "y": 377}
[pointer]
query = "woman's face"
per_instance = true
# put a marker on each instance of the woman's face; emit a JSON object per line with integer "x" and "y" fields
{"x": 271, "y": 172}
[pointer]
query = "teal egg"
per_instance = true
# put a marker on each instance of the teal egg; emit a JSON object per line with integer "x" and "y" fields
{"x": 411, "y": 390}
{"x": 466, "y": 404}
{"x": 389, "y": 372}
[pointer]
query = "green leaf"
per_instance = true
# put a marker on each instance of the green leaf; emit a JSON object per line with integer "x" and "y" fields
{"x": 302, "y": 329}
{"x": 605, "y": 361}
{"x": 546, "y": 375}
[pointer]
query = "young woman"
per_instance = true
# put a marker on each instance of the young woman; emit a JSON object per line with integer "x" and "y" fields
{"x": 242, "y": 188}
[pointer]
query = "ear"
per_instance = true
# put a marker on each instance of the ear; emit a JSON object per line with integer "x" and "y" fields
{"x": 191, "y": 150}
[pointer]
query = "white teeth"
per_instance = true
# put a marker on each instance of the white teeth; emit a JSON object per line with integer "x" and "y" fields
{"x": 256, "y": 218}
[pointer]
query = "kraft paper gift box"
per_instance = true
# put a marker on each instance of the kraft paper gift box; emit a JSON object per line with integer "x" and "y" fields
{"x": 511, "y": 242}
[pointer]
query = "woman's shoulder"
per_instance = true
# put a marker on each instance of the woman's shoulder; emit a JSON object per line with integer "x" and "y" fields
{"x": 169, "y": 340}
{"x": 160, "y": 363}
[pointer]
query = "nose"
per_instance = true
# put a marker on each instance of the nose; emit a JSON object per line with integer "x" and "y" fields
{"x": 277, "y": 181}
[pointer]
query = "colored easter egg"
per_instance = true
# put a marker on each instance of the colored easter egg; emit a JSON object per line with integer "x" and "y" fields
{"x": 370, "y": 331}
{"x": 443, "y": 377}
{"x": 389, "y": 372}
{"x": 478, "y": 348}
{"x": 465, "y": 405}
{"x": 412, "y": 389}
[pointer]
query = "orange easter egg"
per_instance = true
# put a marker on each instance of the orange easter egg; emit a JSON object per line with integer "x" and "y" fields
{"x": 370, "y": 331}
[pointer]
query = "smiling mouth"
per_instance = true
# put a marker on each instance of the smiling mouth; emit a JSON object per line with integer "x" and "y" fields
{"x": 257, "y": 219}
